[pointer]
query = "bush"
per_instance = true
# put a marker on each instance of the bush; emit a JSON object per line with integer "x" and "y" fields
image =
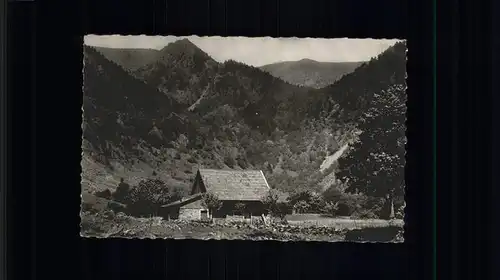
{"x": 242, "y": 163}
{"x": 294, "y": 148}
{"x": 321, "y": 155}
{"x": 273, "y": 206}
{"x": 344, "y": 209}
{"x": 400, "y": 213}
{"x": 121, "y": 193}
{"x": 211, "y": 201}
{"x": 305, "y": 201}
{"x": 229, "y": 161}
{"x": 332, "y": 194}
{"x": 301, "y": 206}
{"x": 240, "y": 207}
{"x": 148, "y": 196}
{"x": 183, "y": 149}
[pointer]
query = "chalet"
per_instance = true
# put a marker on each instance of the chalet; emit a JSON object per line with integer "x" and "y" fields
{"x": 234, "y": 188}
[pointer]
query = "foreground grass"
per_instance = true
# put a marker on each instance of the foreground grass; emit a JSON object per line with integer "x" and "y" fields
{"x": 344, "y": 222}
{"x": 108, "y": 224}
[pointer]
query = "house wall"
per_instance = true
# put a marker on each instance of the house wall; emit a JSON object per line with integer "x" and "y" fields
{"x": 189, "y": 214}
{"x": 191, "y": 211}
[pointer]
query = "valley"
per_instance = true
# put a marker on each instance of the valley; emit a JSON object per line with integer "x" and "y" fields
{"x": 167, "y": 113}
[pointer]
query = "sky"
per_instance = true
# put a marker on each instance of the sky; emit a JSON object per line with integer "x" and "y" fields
{"x": 258, "y": 51}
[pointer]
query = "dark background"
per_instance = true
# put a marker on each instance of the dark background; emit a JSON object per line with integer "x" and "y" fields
{"x": 44, "y": 53}
{"x": 494, "y": 220}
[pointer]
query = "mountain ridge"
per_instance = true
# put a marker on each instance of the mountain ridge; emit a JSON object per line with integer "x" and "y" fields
{"x": 310, "y": 73}
{"x": 129, "y": 59}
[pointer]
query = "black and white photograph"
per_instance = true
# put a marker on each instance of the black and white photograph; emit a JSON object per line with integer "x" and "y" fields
{"x": 238, "y": 138}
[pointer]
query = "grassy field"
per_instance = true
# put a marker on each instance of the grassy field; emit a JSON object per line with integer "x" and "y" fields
{"x": 340, "y": 222}
{"x": 99, "y": 224}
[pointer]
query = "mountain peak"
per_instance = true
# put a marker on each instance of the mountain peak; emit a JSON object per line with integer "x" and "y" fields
{"x": 180, "y": 45}
{"x": 184, "y": 42}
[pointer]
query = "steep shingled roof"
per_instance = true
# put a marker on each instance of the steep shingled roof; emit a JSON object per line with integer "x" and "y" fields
{"x": 248, "y": 185}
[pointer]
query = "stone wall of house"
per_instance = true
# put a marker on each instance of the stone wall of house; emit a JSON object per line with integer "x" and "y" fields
{"x": 189, "y": 214}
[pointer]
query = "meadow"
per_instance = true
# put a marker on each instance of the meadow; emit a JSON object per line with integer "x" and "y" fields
{"x": 105, "y": 224}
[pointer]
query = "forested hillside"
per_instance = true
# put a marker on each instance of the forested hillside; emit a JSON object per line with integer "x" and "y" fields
{"x": 129, "y": 59}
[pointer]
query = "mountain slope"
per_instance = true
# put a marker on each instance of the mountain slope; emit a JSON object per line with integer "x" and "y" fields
{"x": 122, "y": 115}
{"x": 372, "y": 100}
{"x": 202, "y": 85}
{"x": 181, "y": 70}
{"x": 129, "y": 59}
{"x": 235, "y": 116}
{"x": 247, "y": 119}
{"x": 264, "y": 102}
{"x": 310, "y": 73}
{"x": 352, "y": 95}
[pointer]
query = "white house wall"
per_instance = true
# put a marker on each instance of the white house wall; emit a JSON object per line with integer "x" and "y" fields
{"x": 189, "y": 214}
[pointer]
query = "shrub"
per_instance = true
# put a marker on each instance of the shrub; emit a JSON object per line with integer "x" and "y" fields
{"x": 183, "y": 149}
{"x": 240, "y": 207}
{"x": 154, "y": 173}
{"x": 332, "y": 194}
{"x": 148, "y": 196}
{"x": 400, "y": 213}
{"x": 344, "y": 209}
{"x": 306, "y": 201}
{"x": 301, "y": 206}
{"x": 294, "y": 148}
{"x": 211, "y": 201}
{"x": 242, "y": 163}
{"x": 321, "y": 155}
{"x": 121, "y": 193}
{"x": 273, "y": 206}
{"x": 229, "y": 161}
